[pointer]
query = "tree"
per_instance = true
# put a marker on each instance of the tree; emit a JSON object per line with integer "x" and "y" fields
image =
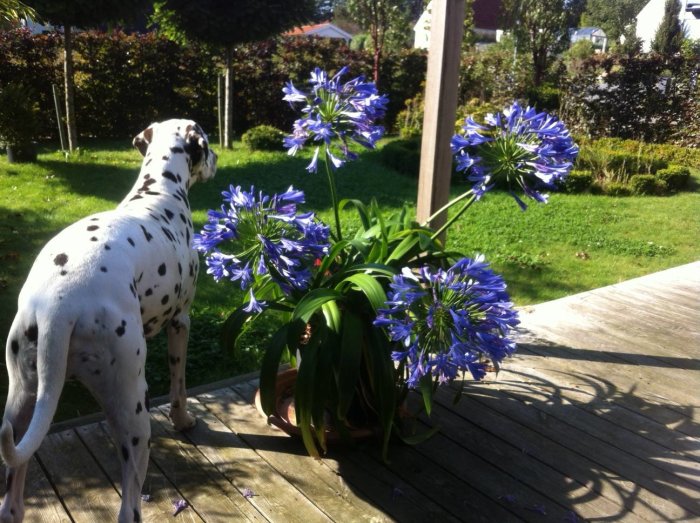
{"x": 226, "y": 24}
{"x": 613, "y": 17}
{"x": 11, "y": 11}
{"x": 383, "y": 20}
{"x": 669, "y": 36}
{"x": 540, "y": 27}
{"x": 80, "y": 14}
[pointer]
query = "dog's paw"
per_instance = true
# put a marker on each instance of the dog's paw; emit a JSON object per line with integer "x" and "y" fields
{"x": 182, "y": 420}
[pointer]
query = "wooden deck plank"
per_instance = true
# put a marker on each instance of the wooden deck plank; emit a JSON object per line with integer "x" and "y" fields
{"x": 83, "y": 487}
{"x": 160, "y": 492}
{"x": 205, "y": 489}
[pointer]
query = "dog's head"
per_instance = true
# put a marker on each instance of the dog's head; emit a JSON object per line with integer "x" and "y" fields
{"x": 188, "y": 136}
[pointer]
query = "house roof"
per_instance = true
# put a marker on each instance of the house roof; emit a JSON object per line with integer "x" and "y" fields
{"x": 589, "y": 31}
{"x": 326, "y": 29}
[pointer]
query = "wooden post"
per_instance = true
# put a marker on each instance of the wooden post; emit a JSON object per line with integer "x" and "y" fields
{"x": 220, "y": 108}
{"x": 439, "y": 115}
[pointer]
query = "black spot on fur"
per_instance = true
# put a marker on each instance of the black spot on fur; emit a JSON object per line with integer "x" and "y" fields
{"x": 169, "y": 214}
{"x": 63, "y": 273}
{"x": 93, "y": 227}
{"x": 93, "y": 239}
{"x": 61, "y": 259}
{"x": 139, "y": 408}
{"x": 148, "y": 235}
{"x": 183, "y": 218}
{"x": 107, "y": 247}
{"x": 161, "y": 269}
{"x": 165, "y": 299}
{"x": 32, "y": 333}
{"x": 125, "y": 453}
{"x": 179, "y": 268}
{"x": 137, "y": 516}
{"x": 169, "y": 176}
{"x": 134, "y": 441}
{"x": 148, "y": 292}
{"x": 136, "y": 197}
{"x": 15, "y": 346}
{"x": 8, "y": 485}
{"x": 177, "y": 150}
{"x": 114, "y": 360}
{"x": 168, "y": 234}
{"x": 147, "y": 402}
{"x": 121, "y": 329}
{"x": 166, "y": 157}
{"x": 131, "y": 242}
{"x": 153, "y": 193}
{"x": 103, "y": 268}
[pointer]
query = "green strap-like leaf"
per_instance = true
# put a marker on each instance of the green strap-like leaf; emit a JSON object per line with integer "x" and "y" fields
{"x": 233, "y": 327}
{"x": 350, "y": 358}
{"x": 304, "y": 389}
{"x": 407, "y": 245}
{"x": 270, "y": 367}
{"x": 332, "y": 314}
{"x": 426, "y": 389}
{"x": 369, "y": 286}
{"x": 361, "y": 210}
{"x": 381, "y": 371}
{"x": 312, "y": 302}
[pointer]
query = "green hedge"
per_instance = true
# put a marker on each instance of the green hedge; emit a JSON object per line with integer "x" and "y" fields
{"x": 403, "y": 155}
{"x": 675, "y": 177}
{"x": 263, "y": 138}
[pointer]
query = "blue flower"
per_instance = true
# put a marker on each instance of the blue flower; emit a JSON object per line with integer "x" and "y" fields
{"x": 517, "y": 148}
{"x": 335, "y": 114}
{"x": 449, "y": 321}
{"x": 256, "y": 238}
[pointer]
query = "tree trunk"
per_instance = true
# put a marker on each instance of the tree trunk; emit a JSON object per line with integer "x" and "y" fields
{"x": 228, "y": 101}
{"x": 69, "y": 84}
{"x": 375, "y": 66}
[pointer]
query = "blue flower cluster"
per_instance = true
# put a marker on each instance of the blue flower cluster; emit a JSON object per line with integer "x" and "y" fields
{"x": 533, "y": 150}
{"x": 449, "y": 321}
{"x": 346, "y": 111}
{"x": 264, "y": 237}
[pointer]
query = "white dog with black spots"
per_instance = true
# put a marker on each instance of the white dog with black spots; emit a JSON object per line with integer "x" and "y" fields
{"x": 94, "y": 294}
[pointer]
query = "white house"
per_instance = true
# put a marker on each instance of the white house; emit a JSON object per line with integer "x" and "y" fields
{"x": 649, "y": 19}
{"x": 324, "y": 30}
{"x": 486, "y": 18}
{"x": 595, "y": 35}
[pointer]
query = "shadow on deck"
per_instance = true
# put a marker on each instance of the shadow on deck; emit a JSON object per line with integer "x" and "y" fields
{"x": 596, "y": 419}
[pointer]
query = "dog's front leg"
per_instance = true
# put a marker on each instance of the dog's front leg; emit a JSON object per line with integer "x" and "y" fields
{"x": 178, "y": 334}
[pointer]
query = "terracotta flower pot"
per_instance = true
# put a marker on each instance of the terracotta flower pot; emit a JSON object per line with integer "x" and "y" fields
{"x": 284, "y": 416}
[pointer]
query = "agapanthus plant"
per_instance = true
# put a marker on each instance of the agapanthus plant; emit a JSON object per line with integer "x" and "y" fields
{"x": 335, "y": 114}
{"x": 519, "y": 149}
{"x": 447, "y": 321}
{"x": 255, "y": 235}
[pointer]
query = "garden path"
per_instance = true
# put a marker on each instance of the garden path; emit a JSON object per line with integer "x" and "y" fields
{"x": 596, "y": 418}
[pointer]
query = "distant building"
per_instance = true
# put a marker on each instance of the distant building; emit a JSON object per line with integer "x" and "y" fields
{"x": 486, "y": 17}
{"x": 593, "y": 34}
{"x": 649, "y": 19}
{"x": 324, "y": 30}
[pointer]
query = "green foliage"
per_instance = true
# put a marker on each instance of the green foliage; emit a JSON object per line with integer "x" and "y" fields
{"x": 403, "y": 155}
{"x": 263, "y": 138}
{"x": 87, "y": 14}
{"x": 675, "y": 177}
{"x": 631, "y": 103}
{"x": 578, "y": 181}
{"x": 617, "y": 189}
{"x": 545, "y": 97}
{"x": 669, "y": 36}
{"x": 611, "y": 17}
{"x": 233, "y": 22}
{"x": 645, "y": 184}
{"x": 19, "y": 115}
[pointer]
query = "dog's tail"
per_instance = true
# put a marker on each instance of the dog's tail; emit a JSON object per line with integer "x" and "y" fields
{"x": 53, "y": 340}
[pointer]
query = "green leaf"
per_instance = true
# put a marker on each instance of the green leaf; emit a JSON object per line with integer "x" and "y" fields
{"x": 361, "y": 210}
{"x": 415, "y": 439}
{"x": 350, "y": 358}
{"x": 304, "y": 390}
{"x": 332, "y": 314}
{"x": 270, "y": 367}
{"x": 312, "y": 301}
{"x": 403, "y": 248}
{"x": 233, "y": 327}
{"x": 426, "y": 389}
{"x": 330, "y": 257}
{"x": 381, "y": 372}
{"x": 369, "y": 286}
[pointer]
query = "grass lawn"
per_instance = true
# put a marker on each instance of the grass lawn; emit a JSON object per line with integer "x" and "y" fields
{"x": 574, "y": 243}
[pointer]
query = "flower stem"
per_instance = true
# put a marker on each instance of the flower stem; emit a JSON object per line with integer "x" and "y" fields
{"x": 334, "y": 196}
{"x": 447, "y": 206}
{"x": 449, "y": 222}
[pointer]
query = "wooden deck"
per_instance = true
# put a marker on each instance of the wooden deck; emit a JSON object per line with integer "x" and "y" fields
{"x": 595, "y": 419}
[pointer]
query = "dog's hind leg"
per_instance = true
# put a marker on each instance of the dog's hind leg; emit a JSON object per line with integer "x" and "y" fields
{"x": 21, "y": 398}
{"x": 123, "y": 394}
{"x": 178, "y": 333}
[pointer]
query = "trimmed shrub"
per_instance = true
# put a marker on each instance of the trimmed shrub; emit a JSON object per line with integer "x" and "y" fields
{"x": 617, "y": 189}
{"x": 544, "y": 97}
{"x": 263, "y": 138}
{"x": 645, "y": 184}
{"x": 403, "y": 156}
{"x": 577, "y": 182}
{"x": 636, "y": 163}
{"x": 675, "y": 176}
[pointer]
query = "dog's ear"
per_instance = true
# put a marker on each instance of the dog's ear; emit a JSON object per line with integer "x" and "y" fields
{"x": 143, "y": 140}
{"x": 196, "y": 144}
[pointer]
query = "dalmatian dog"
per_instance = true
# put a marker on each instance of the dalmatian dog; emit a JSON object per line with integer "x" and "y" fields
{"x": 95, "y": 293}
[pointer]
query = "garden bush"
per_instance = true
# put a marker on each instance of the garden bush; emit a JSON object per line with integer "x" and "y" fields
{"x": 675, "y": 177}
{"x": 403, "y": 155}
{"x": 646, "y": 184}
{"x": 617, "y": 189}
{"x": 263, "y": 138}
{"x": 577, "y": 182}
